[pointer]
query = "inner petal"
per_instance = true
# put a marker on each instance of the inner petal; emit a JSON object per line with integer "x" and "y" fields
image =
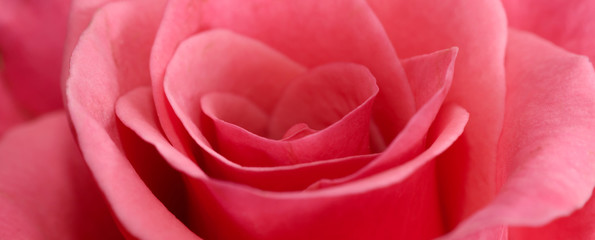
{"x": 322, "y": 98}
{"x": 298, "y": 131}
{"x": 236, "y": 110}
{"x": 346, "y": 91}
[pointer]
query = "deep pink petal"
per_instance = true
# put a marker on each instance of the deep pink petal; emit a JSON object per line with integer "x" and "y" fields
{"x": 336, "y": 99}
{"x": 478, "y": 29}
{"x": 47, "y": 191}
{"x": 10, "y": 111}
{"x": 32, "y": 37}
{"x": 548, "y": 137}
{"x": 430, "y": 77}
{"x": 112, "y": 57}
{"x": 400, "y": 203}
{"x": 568, "y": 24}
{"x": 135, "y": 111}
{"x": 297, "y": 131}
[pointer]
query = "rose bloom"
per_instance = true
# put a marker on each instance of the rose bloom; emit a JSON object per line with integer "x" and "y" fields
{"x": 309, "y": 119}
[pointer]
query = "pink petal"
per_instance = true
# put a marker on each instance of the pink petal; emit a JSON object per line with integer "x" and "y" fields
{"x": 112, "y": 57}
{"x": 548, "y": 137}
{"x": 10, "y": 112}
{"x": 180, "y": 20}
{"x": 478, "y": 29}
{"x": 47, "y": 191}
{"x": 136, "y": 111}
{"x": 228, "y": 110}
{"x": 298, "y": 131}
{"x": 337, "y": 99}
{"x": 400, "y": 203}
{"x": 32, "y": 37}
{"x": 568, "y": 24}
{"x": 324, "y": 96}
{"x": 221, "y": 61}
{"x": 579, "y": 225}
{"x": 308, "y": 32}
{"x": 404, "y": 197}
{"x": 81, "y": 14}
{"x": 430, "y": 77}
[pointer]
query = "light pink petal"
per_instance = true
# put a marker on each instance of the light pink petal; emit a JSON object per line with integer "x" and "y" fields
{"x": 324, "y": 96}
{"x": 239, "y": 112}
{"x": 336, "y": 99}
{"x": 47, "y": 191}
{"x": 32, "y": 37}
{"x": 478, "y": 29}
{"x": 221, "y": 61}
{"x": 548, "y": 137}
{"x": 430, "y": 77}
{"x": 306, "y": 31}
{"x": 180, "y": 20}
{"x": 112, "y": 57}
{"x": 81, "y": 14}
{"x": 400, "y": 203}
{"x": 579, "y": 225}
{"x": 568, "y": 24}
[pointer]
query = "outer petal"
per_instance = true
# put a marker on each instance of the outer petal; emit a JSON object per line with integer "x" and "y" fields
{"x": 46, "y": 190}
{"x": 111, "y": 57}
{"x": 478, "y": 28}
{"x": 10, "y": 111}
{"x": 569, "y": 24}
{"x": 548, "y": 137}
{"x": 579, "y": 225}
{"x": 32, "y": 37}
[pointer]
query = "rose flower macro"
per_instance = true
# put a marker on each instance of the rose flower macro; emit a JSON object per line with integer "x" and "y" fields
{"x": 308, "y": 119}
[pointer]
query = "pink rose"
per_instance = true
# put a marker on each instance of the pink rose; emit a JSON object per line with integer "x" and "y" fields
{"x": 352, "y": 119}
